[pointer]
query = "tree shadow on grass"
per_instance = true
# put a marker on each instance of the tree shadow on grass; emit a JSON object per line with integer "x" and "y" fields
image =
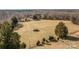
{"x": 72, "y": 38}
{"x": 18, "y": 26}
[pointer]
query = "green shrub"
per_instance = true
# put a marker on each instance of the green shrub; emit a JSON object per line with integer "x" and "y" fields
{"x": 61, "y": 30}
{"x": 47, "y": 41}
{"x": 43, "y": 41}
{"x": 38, "y": 43}
{"x": 52, "y": 39}
{"x": 23, "y": 45}
{"x": 14, "y": 21}
{"x": 8, "y": 38}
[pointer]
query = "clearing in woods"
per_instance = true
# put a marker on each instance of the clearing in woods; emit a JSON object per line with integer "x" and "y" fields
{"x": 46, "y": 28}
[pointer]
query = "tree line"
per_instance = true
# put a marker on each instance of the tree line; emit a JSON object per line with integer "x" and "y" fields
{"x": 73, "y": 18}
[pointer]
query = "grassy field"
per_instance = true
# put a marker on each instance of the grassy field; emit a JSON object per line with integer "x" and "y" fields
{"x": 46, "y": 28}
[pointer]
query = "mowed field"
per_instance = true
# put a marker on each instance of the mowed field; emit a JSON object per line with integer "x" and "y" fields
{"x": 46, "y": 27}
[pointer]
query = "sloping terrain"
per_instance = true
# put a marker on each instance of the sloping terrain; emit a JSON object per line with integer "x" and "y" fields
{"x": 46, "y": 29}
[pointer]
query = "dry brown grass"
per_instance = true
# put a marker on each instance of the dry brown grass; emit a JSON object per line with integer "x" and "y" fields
{"x": 46, "y": 28}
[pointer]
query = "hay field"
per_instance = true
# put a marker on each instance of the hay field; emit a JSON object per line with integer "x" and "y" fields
{"x": 46, "y": 28}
